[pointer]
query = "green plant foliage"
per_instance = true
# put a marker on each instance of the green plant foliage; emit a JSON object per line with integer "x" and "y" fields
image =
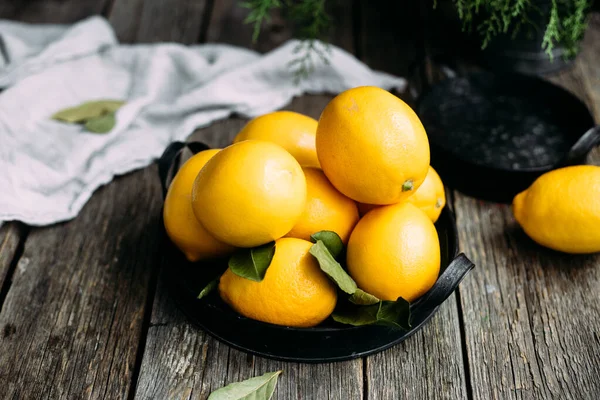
{"x": 488, "y": 18}
{"x": 565, "y": 26}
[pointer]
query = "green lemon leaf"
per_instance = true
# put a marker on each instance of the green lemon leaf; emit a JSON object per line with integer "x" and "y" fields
{"x": 102, "y": 124}
{"x": 332, "y": 268}
{"x": 394, "y": 314}
{"x": 332, "y": 241}
{"x": 259, "y": 388}
{"x": 88, "y": 110}
{"x": 357, "y": 316}
{"x": 252, "y": 263}
{"x": 212, "y": 285}
{"x": 362, "y": 298}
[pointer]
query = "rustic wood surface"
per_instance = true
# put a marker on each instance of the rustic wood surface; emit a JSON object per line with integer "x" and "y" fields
{"x": 84, "y": 311}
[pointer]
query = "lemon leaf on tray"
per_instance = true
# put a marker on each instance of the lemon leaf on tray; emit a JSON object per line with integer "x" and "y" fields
{"x": 332, "y": 268}
{"x": 252, "y": 263}
{"x": 212, "y": 285}
{"x": 362, "y": 298}
{"x": 258, "y": 388}
{"x": 87, "y": 111}
{"x": 332, "y": 241}
{"x": 394, "y": 314}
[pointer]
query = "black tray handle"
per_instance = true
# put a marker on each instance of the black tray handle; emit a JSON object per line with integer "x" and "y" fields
{"x": 445, "y": 285}
{"x": 584, "y": 145}
{"x": 170, "y": 159}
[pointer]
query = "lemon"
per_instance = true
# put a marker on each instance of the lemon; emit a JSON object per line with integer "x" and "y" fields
{"x": 394, "y": 251}
{"x": 561, "y": 209}
{"x": 181, "y": 224}
{"x": 326, "y": 209}
{"x": 372, "y": 146}
{"x": 430, "y": 197}
{"x": 249, "y": 193}
{"x": 294, "y": 291}
{"x": 292, "y": 131}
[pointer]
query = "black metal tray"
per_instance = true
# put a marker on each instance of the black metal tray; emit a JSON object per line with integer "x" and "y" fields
{"x": 491, "y": 135}
{"x": 330, "y": 341}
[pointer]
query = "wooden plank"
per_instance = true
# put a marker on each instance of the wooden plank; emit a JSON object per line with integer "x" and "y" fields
{"x": 78, "y": 297}
{"x": 227, "y": 26}
{"x": 180, "y": 361}
{"x": 81, "y": 290}
{"x": 11, "y": 235}
{"x": 51, "y": 11}
{"x": 426, "y": 366}
{"x": 588, "y": 64}
{"x": 531, "y": 314}
{"x": 390, "y": 35}
{"x": 429, "y": 364}
{"x": 149, "y": 21}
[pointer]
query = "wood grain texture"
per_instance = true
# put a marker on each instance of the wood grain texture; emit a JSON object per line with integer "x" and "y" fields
{"x": 227, "y": 26}
{"x": 11, "y": 235}
{"x": 51, "y": 11}
{"x": 148, "y": 21}
{"x": 430, "y": 364}
{"x": 588, "y": 62}
{"x": 531, "y": 315}
{"x": 78, "y": 297}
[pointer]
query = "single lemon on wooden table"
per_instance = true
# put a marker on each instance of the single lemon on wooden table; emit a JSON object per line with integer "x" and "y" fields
{"x": 561, "y": 209}
{"x": 394, "y": 251}
{"x": 372, "y": 146}
{"x": 292, "y": 131}
{"x": 249, "y": 193}
{"x": 294, "y": 292}
{"x": 326, "y": 209}
{"x": 180, "y": 222}
{"x": 430, "y": 197}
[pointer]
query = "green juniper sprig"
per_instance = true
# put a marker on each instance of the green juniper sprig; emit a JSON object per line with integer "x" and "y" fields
{"x": 312, "y": 23}
{"x": 488, "y": 18}
{"x": 260, "y": 12}
{"x": 565, "y": 26}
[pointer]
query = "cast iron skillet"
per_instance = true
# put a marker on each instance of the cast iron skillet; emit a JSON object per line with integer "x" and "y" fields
{"x": 491, "y": 135}
{"x": 327, "y": 342}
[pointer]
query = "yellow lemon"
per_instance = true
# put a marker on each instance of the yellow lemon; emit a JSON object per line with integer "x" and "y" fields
{"x": 249, "y": 193}
{"x": 561, "y": 209}
{"x": 372, "y": 146}
{"x": 295, "y": 292}
{"x": 394, "y": 251}
{"x": 292, "y": 131}
{"x": 180, "y": 222}
{"x": 430, "y": 197}
{"x": 326, "y": 209}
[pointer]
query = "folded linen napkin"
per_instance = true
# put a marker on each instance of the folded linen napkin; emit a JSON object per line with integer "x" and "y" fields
{"x": 48, "y": 169}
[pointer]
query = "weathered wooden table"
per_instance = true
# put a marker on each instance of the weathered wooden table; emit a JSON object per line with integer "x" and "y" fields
{"x": 85, "y": 314}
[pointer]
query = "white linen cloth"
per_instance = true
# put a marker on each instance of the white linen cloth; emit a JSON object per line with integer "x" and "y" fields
{"x": 49, "y": 169}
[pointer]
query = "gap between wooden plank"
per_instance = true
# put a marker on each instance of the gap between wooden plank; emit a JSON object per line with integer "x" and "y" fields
{"x": 12, "y": 242}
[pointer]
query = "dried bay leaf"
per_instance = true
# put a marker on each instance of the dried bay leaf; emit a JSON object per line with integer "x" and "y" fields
{"x": 87, "y": 111}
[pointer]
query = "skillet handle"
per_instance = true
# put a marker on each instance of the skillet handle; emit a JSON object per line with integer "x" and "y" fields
{"x": 587, "y": 142}
{"x": 445, "y": 285}
{"x": 169, "y": 161}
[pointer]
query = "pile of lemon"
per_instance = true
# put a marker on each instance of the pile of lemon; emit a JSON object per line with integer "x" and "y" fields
{"x": 286, "y": 177}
